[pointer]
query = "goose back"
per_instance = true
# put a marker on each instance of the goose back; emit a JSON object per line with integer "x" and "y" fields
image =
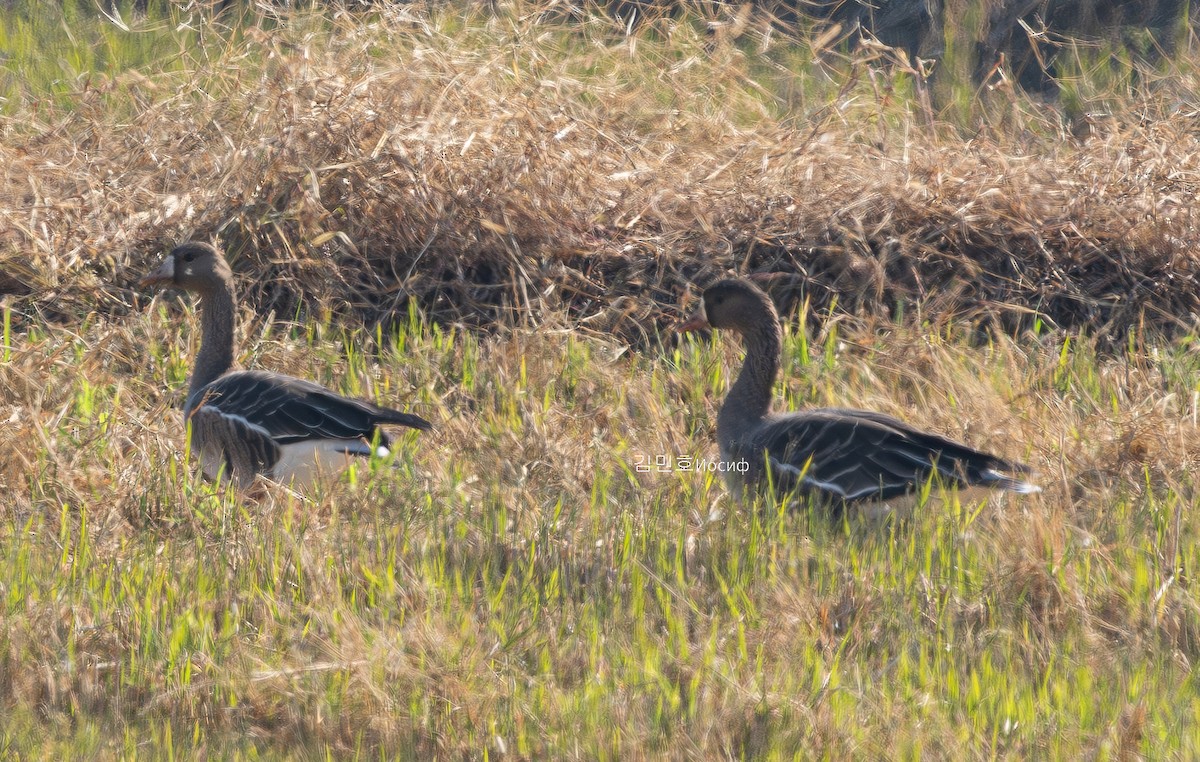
{"x": 249, "y": 422}
{"x": 857, "y": 455}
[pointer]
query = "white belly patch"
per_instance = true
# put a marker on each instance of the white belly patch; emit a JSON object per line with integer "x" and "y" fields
{"x": 304, "y": 463}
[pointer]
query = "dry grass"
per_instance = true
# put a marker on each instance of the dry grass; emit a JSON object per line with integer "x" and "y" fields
{"x": 512, "y": 584}
{"x": 496, "y": 167}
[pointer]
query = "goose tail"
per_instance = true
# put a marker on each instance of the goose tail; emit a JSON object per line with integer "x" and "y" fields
{"x": 993, "y": 478}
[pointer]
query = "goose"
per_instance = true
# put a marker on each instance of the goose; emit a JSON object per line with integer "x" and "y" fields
{"x": 250, "y": 422}
{"x": 837, "y": 456}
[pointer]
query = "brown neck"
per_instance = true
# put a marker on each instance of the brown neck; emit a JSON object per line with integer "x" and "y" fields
{"x": 216, "y": 339}
{"x": 749, "y": 400}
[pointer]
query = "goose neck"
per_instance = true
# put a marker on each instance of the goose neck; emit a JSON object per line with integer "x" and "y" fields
{"x": 216, "y": 339}
{"x": 749, "y": 400}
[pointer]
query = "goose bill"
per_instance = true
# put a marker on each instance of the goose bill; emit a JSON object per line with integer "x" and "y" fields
{"x": 694, "y": 323}
{"x": 164, "y": 274}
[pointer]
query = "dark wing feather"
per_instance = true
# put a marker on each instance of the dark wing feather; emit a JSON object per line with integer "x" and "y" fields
{"x": 948, "y": 447}
{"x": 231, "y": 443}
{"x": 294, "y": 410}
{"x": 860, "y": 455}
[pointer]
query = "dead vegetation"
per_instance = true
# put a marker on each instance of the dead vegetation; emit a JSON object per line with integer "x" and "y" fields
{"x": 505, "y": 169}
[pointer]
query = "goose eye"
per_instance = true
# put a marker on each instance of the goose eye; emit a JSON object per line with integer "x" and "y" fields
{"x": 189, "y": 257}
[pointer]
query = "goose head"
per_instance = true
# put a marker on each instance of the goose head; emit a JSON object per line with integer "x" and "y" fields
{"x": 192, "y": 266}
{"x": 733, "y": 304}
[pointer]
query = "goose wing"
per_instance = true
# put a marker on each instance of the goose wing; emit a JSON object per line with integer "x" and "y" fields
{"x": 290, "y": 410}
{"x": 860, "y": 455}
{"x": 230, "y": 444}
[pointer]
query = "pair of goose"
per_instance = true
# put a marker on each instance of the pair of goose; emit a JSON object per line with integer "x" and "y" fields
{"x": 250, "y": 423}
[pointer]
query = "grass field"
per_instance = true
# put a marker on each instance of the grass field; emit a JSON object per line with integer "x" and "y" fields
{"x": 511, "y": 585}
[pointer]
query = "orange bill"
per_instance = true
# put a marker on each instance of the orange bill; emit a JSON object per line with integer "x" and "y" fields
{"x": 694, "y": 323}
{"x": 164, "y": 274}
